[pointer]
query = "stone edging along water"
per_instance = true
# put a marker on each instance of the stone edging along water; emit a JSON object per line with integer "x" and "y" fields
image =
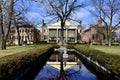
{"x": 89, "y": 60}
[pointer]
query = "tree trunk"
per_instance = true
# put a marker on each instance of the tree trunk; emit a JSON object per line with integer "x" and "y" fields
{"x": 4, "y": 45}
{"x": 109, "y": 41}
{"x": 1, "y": 27}
{"x": 19, "y": 38}
{"x": 62, "y": 33}
{"x": 109, "y": 38}
{"x": 18, "y": 34}
{"x": 0, "y": 41}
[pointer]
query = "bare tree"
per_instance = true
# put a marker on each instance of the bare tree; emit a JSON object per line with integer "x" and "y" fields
{"x": 0, "y": 24}
{"x": 10, "y": 11}
{"x": 61, "y": 10}
{"x": 109, "y": 12}
{"x": 6, "y": 13}
{"x": 19, "y": 18}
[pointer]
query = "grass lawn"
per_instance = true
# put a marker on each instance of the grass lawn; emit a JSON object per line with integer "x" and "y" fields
{"x": 14, "y": 49}
{"x": 111, "y": 50}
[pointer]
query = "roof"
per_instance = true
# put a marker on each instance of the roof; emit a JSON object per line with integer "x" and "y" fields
{"x": 58, "y": 23}
{"x": 96, "y": 28}
{"x": 26, "y": 26}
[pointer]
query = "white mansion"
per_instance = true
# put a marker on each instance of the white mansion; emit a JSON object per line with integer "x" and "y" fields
{"x": 52, "y": 32}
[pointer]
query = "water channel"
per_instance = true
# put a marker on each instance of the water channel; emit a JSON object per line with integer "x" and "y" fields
{"x": 74, "y": 69}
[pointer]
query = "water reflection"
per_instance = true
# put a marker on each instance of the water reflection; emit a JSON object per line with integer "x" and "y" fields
{"x": 48, "y": 73}
{"x": 74, "y": 73}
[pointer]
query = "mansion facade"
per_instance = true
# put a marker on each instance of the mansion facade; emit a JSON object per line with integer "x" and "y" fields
{"x": 52, "y": 32}
{"x": 28, "y": 35}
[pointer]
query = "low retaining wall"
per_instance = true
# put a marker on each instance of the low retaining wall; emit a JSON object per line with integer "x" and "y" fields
{"x": 100, "y": 71}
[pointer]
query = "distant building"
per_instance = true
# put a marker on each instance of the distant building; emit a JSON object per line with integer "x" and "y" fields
{"x": 28, "y": 34}
{"x": 96, "y": 33}
{"x": 52, "y": 32}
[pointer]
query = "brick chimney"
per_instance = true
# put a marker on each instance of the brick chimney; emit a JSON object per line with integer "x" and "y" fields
{"x": 80, "y": 23}
{"x": 99, "y": 23}
{"x": 42, "y": 22}
{"x": 42, "y": 35}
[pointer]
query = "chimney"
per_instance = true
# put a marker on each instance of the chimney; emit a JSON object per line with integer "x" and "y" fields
{"x": 99, "y": 23}
{"x": 42, "y": 22}
{"x": 80, "y": 23}
{"x": 42, "y": 35}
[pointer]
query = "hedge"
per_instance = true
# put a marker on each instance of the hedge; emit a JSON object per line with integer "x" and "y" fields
{"x": 12, "y": 65}
{"x": 111, "y": 62}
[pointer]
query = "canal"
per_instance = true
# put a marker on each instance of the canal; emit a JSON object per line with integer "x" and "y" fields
{"x": 73, "y": 67}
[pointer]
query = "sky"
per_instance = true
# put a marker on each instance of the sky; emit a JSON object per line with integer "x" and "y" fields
{"x": 36, "y": 14}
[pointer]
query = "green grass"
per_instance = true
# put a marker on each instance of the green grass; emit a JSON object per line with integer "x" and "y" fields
{"x": 15, "y": 49}
{"x": 109, "y": 50}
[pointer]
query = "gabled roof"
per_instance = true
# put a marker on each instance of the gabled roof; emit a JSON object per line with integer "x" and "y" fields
{"x": 58, "y": 23}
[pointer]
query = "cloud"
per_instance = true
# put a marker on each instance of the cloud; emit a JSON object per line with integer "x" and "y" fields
{"x": 83, "y": 13}
{"x": 33, "y": 14}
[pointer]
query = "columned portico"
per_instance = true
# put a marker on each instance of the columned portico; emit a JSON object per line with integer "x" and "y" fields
{"x": 75, "y": 36}
{"x": 57, "y": 36}
{"x": 54, "y": 32}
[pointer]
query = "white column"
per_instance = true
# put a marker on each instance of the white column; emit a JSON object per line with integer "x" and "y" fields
{"x": 48, "y": 36}
{"x": 75, "y": 35}
{"x": 57, "y": 36}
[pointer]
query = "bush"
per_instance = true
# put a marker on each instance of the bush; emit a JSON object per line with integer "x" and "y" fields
{"x": 11, "y": 65}
{"x": 40, "y": 42}
{"x": 111, "y": 62}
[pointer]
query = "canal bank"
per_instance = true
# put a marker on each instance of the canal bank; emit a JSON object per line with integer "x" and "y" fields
{"x": 101, "y": 72}
{"x": 14, "y": 67}
{"x": 32, "y": 71}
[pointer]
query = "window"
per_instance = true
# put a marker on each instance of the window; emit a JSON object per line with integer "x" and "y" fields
{"x": 93, "y": 37}
{"x": 30, "y": 37}
{"x": 13, "y": 37}
{"x": 78, "y": 30}
{"x": 30, "y": 30}
{"x": 25, "y": 30}
{"x": 20, "y": 30}
{"x": 45, "y": 37}
{"x": 24, "y": 38}
{"x": 13, "y": 31}
{"x": 71, "y": 39}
